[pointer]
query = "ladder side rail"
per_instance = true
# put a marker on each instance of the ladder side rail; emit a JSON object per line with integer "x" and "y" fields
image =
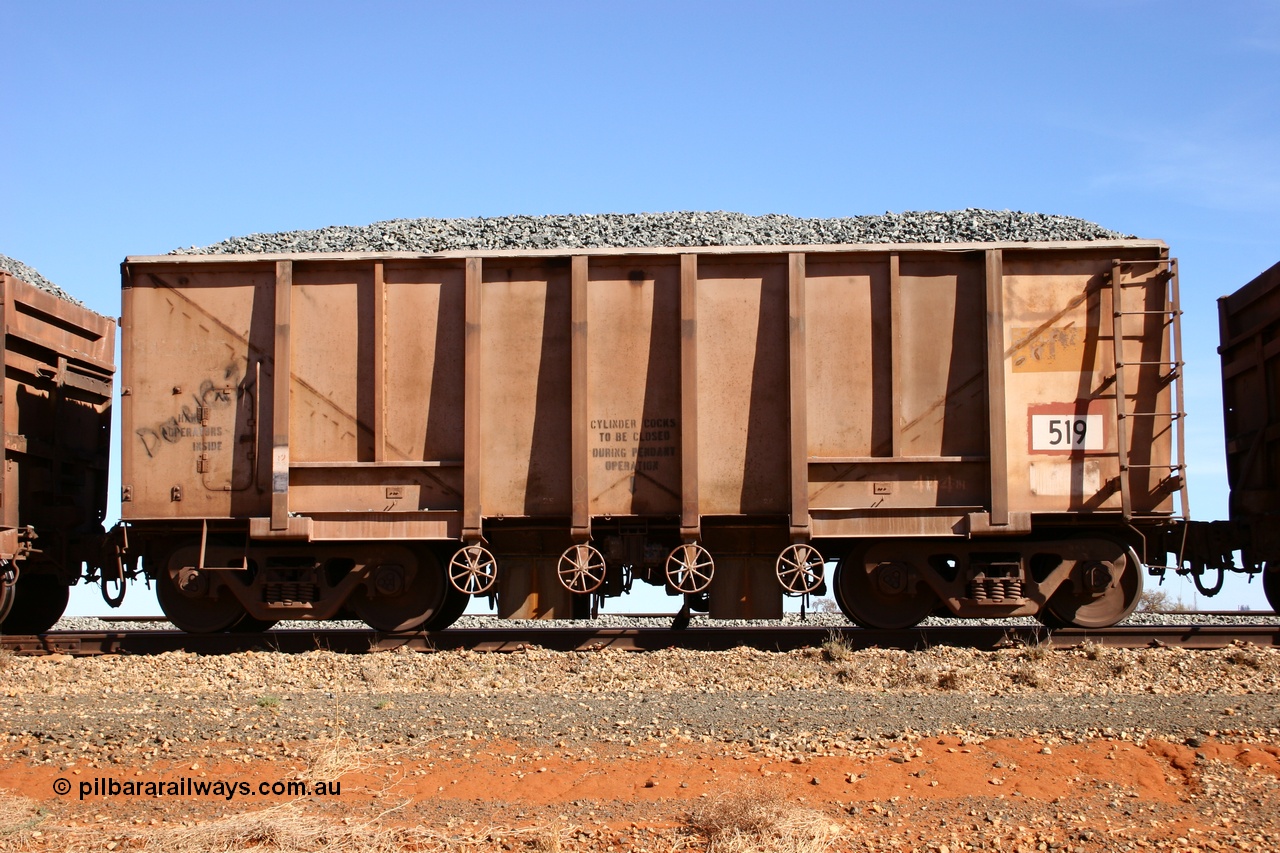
{"x": 1122, "y": 427}
{"x": 1175, "y": 309}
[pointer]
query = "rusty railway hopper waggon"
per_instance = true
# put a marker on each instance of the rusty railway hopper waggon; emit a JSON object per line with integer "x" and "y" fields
{"x": 55, "y": 405}
{"x": 988, "y": 429}
{"x": 1249, "y": 324}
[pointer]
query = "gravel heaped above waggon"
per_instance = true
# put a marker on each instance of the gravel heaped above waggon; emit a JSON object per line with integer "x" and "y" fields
{"x": 30, "y": 276}
{"x": 685, "y": 228}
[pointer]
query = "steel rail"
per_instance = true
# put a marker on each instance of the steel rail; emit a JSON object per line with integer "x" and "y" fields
{"x": 779, "y": 638}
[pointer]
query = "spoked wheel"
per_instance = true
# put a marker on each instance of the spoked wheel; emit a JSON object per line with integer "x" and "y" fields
{"x": 1103, "y": 589}
{"x": 1271, "y": 586}
{"x": 36, "y": 602}
{"x": 690, "y": 568}
{"x": 473, "y": 570}
{"x": 800, "y": 569}
{"x": 581, "y": 569}
{"x": 408, "y": 590}
{"x": 192, "y": 599}
{"x": 882, "y": 595}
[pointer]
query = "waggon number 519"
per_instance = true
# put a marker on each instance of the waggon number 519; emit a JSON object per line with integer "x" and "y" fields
{"x": 1066, "y": 432}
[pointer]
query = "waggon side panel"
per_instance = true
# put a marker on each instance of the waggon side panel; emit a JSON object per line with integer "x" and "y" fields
{"x": 633, "y": 387}
{"x": 525, "y": 388}
{"x": 896, "y": 408}
{"x": 333, "y": 353}
{"x": 425, "y": 307}
{"x": 1059, "y": 368}
{"x": 743, "y": 375}
{"x": 849, "y": 377}
{"x": 198, "y": 370}
{"x": 376, "y": 396}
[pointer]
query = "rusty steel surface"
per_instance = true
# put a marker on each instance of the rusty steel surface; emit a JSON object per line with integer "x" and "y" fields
{"x": 352, "y": 641}
{"x": 58, "y": 366}
{"x": 55, "y": 405}
{"x": 379, "y": 395}
{"x": 741, "y": 398}
{"x": 1249, "y": 323}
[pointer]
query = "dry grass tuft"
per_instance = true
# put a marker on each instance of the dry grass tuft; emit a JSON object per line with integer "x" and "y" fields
{"x": 283, "y": 830}
{"x": 18, "y": 814}
{"x": 331, "y": 759}
{"x": 286, "y": 828}
{"x": 837, "y": 647}
{"x": 1037, "y": 652}
{"x": 757, "y": 818}
{"x": 280, "y": 828}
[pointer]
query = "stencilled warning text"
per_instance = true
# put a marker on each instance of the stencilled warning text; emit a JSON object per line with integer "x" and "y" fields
{"x": 634, "y": 444}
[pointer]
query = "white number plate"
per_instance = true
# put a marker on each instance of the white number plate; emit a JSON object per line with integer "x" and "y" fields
{"x": 1066, "y": 432}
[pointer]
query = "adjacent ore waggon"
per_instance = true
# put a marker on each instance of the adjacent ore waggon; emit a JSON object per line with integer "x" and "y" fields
{"x": 1249, "y": 322}
{"x": 56, "y": 408}
{"x": 985, "y": 430}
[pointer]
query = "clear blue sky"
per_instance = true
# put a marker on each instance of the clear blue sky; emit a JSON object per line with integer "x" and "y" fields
{"x": 136, "y": 128}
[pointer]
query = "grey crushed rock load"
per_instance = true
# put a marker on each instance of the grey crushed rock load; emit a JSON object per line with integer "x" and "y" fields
{"x": 30, "y": 276}
{"x": 685, "y": 228}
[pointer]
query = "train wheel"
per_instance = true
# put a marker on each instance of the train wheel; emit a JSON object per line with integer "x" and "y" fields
{"x": 191, "y": 599}
{"x": 455, "y": 604}
{"x": 409, "y": 591}
{"x": 1271, "y": 586}
{"x": 581, "y": 569}
{"x": 36, "y": 604}
{"x": 1101, "y": 591}
{"x": 883, "y": 595}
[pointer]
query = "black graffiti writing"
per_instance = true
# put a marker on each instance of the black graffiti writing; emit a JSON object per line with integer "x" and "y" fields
{"x": 191, "y": 419}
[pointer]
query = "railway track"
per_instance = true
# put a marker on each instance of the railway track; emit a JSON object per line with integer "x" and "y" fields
{"x": 779, "y": 638}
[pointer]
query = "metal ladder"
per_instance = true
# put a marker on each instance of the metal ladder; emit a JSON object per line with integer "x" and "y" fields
{"x": 1176, "y": 481}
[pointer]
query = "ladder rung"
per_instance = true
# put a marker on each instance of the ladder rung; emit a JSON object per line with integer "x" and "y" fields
{"x": 1143, "y": 363}
{"x": 1174, "y": 415}
{"x": 1174, "y": 313}
{"x": 1177, "y": 467}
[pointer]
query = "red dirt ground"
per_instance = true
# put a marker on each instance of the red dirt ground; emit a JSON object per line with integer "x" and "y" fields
{"x": 613, "y": 787}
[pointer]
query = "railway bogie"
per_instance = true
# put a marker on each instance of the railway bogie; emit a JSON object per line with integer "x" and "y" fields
{"x": 220, "y": 582}
{"x": 1086, "y": 580}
